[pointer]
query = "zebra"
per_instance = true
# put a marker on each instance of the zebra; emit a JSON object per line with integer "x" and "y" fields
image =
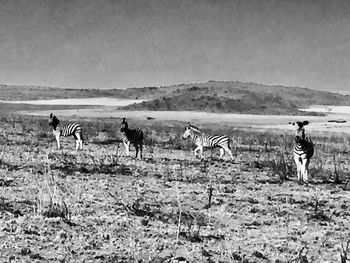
{"x": 303, "y": 151}
{"x": 66, "y": 130}
{"x": 202, "y": 139}
{"x": 134, "y": 136}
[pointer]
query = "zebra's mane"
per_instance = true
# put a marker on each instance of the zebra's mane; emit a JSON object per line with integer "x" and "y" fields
{"x": 56, "y": 120}
{"x": 194, "y": 128}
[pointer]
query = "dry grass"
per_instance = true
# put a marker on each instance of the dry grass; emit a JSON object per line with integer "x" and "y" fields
{"x": 99, "y": 206}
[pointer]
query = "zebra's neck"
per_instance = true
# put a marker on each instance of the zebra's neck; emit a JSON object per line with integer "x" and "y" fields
{"x": 56, "y": 130}
{"x": 55, "y": 126}
{"x": 301, "y": 143}
{"x": 196, "y": 135}
{"x": 126, "y": 130}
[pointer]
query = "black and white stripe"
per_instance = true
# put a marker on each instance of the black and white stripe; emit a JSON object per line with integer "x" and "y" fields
{"x": 202, "y": 139}
{"x": 303, "y": 151}
{"x": 69, "y": 129}
{"x": 134, "y": 136}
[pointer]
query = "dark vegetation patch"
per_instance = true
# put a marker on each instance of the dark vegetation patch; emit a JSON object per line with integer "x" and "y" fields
{"x": 6, "y": 182}
{"x": 239, "y": 97}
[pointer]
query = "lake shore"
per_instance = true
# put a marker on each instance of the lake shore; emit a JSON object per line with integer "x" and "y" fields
{"x": 268, "y": 122}
{"x": 104, "y": 107}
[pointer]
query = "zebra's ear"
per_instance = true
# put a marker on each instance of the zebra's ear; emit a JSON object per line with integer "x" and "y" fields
{"x": 51, "y": 115}
{"x": 305, "y": 123}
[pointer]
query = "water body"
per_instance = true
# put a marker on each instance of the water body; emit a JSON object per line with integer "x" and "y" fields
{"x": 113, "y": 102}
{"x": 328, "y": 109}
{"x": 318, "y": 123}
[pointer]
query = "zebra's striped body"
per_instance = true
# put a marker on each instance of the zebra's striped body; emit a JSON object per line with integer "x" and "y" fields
{"x": 134, "y": 136}
{"x": 303, "y": 151}
{"x": 202, "y": 140}
{"x": 66, "y": 130}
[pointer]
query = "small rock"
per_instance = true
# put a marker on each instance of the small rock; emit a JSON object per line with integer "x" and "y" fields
{"x": 25, "y": 251}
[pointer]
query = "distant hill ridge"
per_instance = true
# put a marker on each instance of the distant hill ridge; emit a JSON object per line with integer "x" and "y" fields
{"x": 238, "y": 97}
{"x": 211, "y": 96}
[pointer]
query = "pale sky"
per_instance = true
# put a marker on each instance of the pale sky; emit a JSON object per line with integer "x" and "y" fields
{"x": 127, "y": 43}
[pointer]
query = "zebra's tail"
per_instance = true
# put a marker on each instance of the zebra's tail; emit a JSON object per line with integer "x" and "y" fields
{"x": 231, "y": 145}
{"x": 83, "y": 139}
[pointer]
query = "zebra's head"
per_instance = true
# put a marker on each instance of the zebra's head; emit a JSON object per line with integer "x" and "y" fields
{"x": 124, "y": 125}
{"x": 53, "y": 121}
{"x": 300, "y": 131}
{"x": 189, "y": 131}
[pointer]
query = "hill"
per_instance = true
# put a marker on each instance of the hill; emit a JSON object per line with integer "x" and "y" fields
{"x": 212, "y": 96}
{"x": 15, "y": 92}
{"x": 238, "y": 97}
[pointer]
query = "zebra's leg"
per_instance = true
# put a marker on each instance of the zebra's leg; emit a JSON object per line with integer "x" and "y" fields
{"x": 222, "y": 152}
{"x": 201, "y": 151}
{"x": 298, "y": 164}
{"x": 78, "y": 142}
{"x": 302, "y": 170}
{"x": 127, "y": 148}
{"x": 306, "y": 170}
{"x": 58, "y": 141}
{"x": 137, "y": 149}
{"x": 81, "y": 141}
{"x": 141, "y": 150}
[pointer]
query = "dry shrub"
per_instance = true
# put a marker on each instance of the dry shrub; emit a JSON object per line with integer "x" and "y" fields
{"x": 51, "y": 204}
{"x": 281, "y": 167}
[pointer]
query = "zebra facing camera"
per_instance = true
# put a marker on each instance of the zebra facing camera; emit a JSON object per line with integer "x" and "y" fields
{"x": 299, "y": 123}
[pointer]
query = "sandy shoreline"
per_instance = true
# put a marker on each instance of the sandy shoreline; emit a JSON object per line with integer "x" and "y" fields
{"x": 317, "y": 123}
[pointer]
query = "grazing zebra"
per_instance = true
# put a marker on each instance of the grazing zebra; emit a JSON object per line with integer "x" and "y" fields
{"x": 303, "y": 151}
{"x": 66, "y": 130}
{"x": 202, "y": 139}
{"x": 134, "y": 136}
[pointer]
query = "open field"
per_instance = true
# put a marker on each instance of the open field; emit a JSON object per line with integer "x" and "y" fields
{"x": 99, "y": 206}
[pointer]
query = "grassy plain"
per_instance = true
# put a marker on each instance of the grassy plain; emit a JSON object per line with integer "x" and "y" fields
{"x": 99, "y": 206}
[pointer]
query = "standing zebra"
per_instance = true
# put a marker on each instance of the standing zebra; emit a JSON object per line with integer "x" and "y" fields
{"x": 134, "y": 136}
{"x": 202, "y": 139}
{"x": 303, "y": 151}
{"x": 66, "y": 130}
